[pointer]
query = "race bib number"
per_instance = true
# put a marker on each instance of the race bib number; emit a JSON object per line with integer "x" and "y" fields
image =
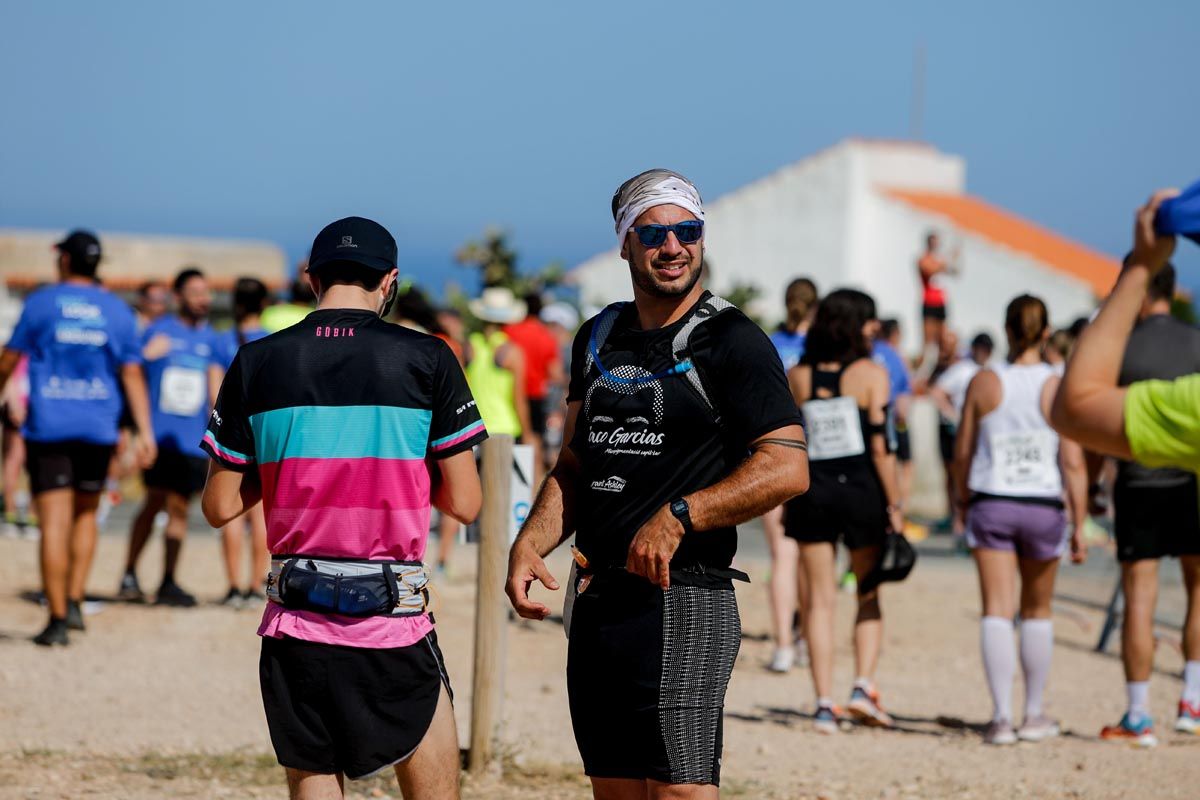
{"x": 833, "y": 428}
{"x": 183, "y": 391}
{"x": 1025, "y": 462}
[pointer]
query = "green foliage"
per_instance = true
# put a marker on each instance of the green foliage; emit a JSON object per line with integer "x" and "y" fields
{"x": 497, "y": 264}
{"x": 1183, "y": 309}
{"x": 743, "y": 295}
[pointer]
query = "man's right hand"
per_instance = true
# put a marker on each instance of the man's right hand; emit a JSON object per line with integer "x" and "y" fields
{"x": 524, "y": 567}
{"x": 145, "y": 450}
{"x": 1151, "y": 249}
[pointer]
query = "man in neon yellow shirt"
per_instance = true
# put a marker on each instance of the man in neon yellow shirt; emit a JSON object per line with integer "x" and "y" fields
{"x": 1156, "y": 423}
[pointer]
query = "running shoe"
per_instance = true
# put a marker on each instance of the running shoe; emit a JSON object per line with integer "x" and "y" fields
{"x": 1137, "y": 731}
{"x": 849, "y": 582}
{"x": 74, "y": 616}
{"x": 999, "y": 731}
{"x": 1035, "y": 729}
{"x": 172, "y": 594}
{"x": 130, "y": 590}
{"x": 782, "y": 660}
{"x": 232, "y": 599}
{"x": 801, "y": 653}
{"x": 54, "y": 633}
{"x": 865, "y": 708}
{"x": 1188, "y": 720}
{"x": 826, "y": 719}
{"x": 253, "y": 597}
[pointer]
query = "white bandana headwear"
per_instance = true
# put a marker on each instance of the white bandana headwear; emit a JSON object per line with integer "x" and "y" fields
{"x": 656, "y": 187}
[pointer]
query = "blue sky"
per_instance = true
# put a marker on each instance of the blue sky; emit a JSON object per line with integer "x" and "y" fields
{"x": 269, "y": 119}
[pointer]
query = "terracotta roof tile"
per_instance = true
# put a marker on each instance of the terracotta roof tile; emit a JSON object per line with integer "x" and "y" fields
{"x": 1007, "y": 229}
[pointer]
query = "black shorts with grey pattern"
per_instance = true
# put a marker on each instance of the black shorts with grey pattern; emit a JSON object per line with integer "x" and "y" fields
{"x": 647, "y": 671}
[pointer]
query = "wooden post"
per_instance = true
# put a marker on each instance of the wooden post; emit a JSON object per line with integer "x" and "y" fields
{"x": 491, "y": 604}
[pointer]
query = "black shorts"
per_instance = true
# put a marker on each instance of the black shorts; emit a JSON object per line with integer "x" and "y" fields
{"x": 353, "y": 710}
{"x": 539, "y": 412}
{"x": 946, "y": 436}
{"x": 847, "y": 505}
{"x": 903, "y": 446}
{"x": 1153, "y": 522}
{"x": 81, "y": 466}
{"x": 934, "y": 312}
{"x": 176, "y": 472}
{"x": 647, "y": 672}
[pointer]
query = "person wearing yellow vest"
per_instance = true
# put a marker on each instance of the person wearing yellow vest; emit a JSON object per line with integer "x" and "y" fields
{"x": 496, "y": 366}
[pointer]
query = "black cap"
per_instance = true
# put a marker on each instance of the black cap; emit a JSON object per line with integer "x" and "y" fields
{"x": 354, "y": 239}
{"x": 82, "y": 246}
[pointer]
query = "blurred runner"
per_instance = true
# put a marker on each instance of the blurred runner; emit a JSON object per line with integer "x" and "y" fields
{"x": 562, "y": 320}
{"x": 680, "y": 427}
{"x": 1153, "y": 422}
{"x": 1012, "y": 470}
{"x": 843, "y": 395}
{"x": 12, "y": 418}
{"x": 250, "y": 297}
{"x": 153, "y": 301}
{"x": 496, "y": 366}
{"x": 299, "y": 305}
{"x": 1157, "y": 514}
{"x": 930, "y": 268}
{"x": 81, "y": 341}
{"x": 543, "y": 369}
{"x": 787, "y": 589}
{"x": 949, "y": 393}
{"x": 183, "y": 369}
{"x": 349, "y": 428}
{"x": 885, "y": 349}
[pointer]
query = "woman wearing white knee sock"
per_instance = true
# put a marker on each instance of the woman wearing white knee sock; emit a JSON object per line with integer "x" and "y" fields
{"x": 1014, "y": 470}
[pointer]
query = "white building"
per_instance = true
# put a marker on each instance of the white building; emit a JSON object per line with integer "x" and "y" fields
{"x": 856, "y": 215}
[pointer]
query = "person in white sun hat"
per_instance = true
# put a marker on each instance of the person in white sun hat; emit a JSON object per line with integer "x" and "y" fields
{"x": 495, "y": 366}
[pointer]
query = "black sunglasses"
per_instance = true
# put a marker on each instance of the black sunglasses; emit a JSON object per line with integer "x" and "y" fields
{"x": 687, "y": 232}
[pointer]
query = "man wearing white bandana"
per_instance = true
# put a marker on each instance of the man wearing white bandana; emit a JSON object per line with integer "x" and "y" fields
{"x": 680, "y": 426}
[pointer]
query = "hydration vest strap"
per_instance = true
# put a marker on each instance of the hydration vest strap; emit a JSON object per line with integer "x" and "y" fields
{"x": 681, "y": 345}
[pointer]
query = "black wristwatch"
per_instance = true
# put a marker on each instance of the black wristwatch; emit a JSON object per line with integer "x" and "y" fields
{"x": 681, "y": 512}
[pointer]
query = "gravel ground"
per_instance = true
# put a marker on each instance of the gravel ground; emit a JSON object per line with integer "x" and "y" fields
{"x": 153, "y": 702}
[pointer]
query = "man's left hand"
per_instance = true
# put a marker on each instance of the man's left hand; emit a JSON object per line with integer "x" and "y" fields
{"x": 651, "y": 551}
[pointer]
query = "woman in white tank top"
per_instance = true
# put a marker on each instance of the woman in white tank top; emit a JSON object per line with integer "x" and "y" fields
{"x": 1013, "y": 471}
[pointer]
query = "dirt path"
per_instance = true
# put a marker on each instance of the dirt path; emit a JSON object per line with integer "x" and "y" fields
{"x": 164, "y": 703}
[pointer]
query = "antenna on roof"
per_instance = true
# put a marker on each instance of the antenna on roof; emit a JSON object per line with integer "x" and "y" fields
{"x": 917, "y": 111}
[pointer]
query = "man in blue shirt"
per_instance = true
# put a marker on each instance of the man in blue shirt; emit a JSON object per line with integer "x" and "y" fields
{"x": 887, "y": 353}
{"x": 83, "y": 353}
{"x": 184, "y": 370}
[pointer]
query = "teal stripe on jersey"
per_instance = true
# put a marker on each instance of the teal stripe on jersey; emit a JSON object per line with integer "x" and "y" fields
{"x": 341, "y": 432}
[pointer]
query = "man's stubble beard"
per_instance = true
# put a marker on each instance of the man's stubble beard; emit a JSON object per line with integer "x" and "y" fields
{"x": 647, "y": 284}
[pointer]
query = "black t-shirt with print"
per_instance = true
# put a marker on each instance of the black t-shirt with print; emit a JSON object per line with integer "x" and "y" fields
{"x": 643, "y": 445}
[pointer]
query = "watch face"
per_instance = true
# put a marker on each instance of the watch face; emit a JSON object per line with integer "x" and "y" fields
{"x": 679, "y": 507}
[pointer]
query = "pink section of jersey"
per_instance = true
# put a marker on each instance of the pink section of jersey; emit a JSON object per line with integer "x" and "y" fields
{"x": 366, "y": 508}
{"x": 373, "y": 632}
{"x": 379, "y": 483}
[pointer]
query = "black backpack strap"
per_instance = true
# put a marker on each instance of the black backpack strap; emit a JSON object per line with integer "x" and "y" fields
{"x": 692, "y": 338}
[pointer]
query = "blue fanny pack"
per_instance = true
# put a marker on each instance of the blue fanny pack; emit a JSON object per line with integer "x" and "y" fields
{"x": 350, "y": 588}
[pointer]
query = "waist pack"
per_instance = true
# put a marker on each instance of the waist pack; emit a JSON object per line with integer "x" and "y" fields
{"x": 351, "y": 588}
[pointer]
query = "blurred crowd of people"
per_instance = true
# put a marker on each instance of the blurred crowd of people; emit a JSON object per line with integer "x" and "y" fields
{"x": 1018, "y": 495}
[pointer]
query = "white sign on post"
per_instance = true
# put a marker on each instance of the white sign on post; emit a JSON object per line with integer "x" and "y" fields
{"x": 522, "y": 488}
